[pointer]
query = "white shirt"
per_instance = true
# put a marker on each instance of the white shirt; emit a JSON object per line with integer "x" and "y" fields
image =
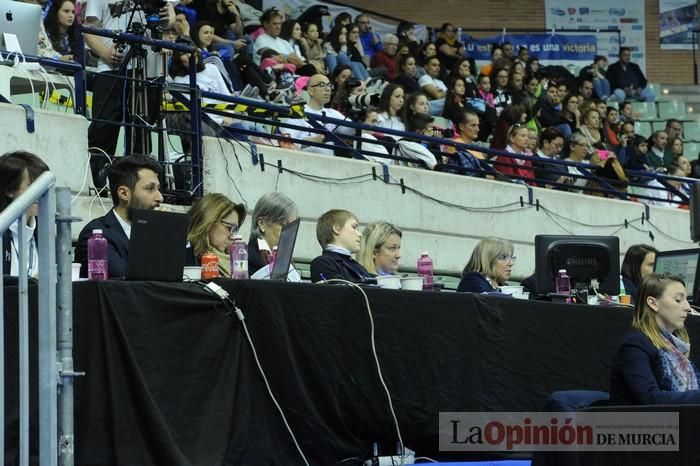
{"x": 426, "y": 80}
{"x": 32, "y": 252}
{"x": 302, "y": 134}
{"x": 266, "y": 41}
{"x": 208, "y": 80}
{"x": 126, "y": 226}
{"x": 391, "y": 122}
{"x": 662, "y": 197}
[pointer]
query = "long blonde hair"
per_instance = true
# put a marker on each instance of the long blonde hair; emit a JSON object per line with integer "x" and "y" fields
{"x": 644, "y": 319}
{"x": 376, "y": 234}
{"x": 485, "y": 255}
{"x": 210, "y": 209}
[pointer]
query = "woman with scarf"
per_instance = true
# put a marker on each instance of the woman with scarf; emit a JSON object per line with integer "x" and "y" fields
{"x": 449, "y": 48}
{"x": 651, "y": 365}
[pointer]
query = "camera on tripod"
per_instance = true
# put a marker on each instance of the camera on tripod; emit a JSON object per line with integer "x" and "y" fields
{"x": 151, "y": 12}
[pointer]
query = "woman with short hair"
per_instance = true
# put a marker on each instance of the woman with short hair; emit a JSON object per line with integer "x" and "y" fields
{"x": 271, "y": 213}
{"x": 651, "y": 365}
{"x": 489, "y": 266}
{"x": 213, "y": 223}
{"x": 380, "y": 248}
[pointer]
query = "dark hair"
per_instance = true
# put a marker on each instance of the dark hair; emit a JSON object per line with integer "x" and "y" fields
{"x": 336, "y": 72}
{"x": 288, "y": 28}
{"x": 195, "y": 33}
{"x": 458, "y": 63}
{"x": 549, "y": 135}
{"x": 124, "y": 171}
{"x": 268, "y": 14}
{"x": 624, "y": 49}
{"x": 403, "y": 27}
{"x": 333, "y": 37}
{"x": 450, "y": 95}
{"x": 420, "y": 59}
{"x": 418, "y": 122}
{"x": 632, "y": 263}
{"x": 12, "y": 167}
{"x": 53, "y": 30}
{"x": 466, "y": 112}
{"x": 599, "y": 57}
{"x": 176, "y": 66}
{"x": 342, "y": 17}
{"x": 386, "y": 98}
{"x": 267, "y": 53}
{"x": 408, "y": 101}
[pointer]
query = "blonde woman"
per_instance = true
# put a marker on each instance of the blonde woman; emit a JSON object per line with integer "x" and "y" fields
{"x": 214, "y": 221}
{"x": 489, "y": 267}
{"x": 380, "y": 248}
{"x": 652, "y": 365}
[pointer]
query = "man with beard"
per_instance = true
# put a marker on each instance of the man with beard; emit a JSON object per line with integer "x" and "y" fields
{"x": 133, "y": 183}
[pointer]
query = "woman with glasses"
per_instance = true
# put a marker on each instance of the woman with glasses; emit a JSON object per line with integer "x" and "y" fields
{"x": 651, "y": 365}
{"x": 214, "y": 221}
{"x": 489, "y": 267}
{"x": 271, "y": 213}
{"x": 578, "y": 151}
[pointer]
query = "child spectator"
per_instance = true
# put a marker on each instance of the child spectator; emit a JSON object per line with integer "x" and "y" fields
{"x": 483, "y": 84}
{"x": 273, "y": 64}
{"x": 338, "y": 233}
{"x": 313, "y": 47}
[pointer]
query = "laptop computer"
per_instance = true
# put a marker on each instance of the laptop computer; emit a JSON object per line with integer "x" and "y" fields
{"x": 157, "y": 246}
{"x": 285, "y": 250}
{"x": 685, "y": 263}
{"x": 23, "y": 20}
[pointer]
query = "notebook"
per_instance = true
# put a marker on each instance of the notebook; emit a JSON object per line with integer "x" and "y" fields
{"x": 157, "y": 246}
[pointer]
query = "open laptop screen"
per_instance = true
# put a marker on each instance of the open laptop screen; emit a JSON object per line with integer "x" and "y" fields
{"x": 285, "y": 250}
{"x": 683, "y": 263}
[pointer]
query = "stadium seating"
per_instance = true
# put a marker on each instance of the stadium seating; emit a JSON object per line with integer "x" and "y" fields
{"x": 672, "y": 109}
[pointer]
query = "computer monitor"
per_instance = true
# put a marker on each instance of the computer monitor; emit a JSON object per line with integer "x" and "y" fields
{"x": 23, "y": 20}
{"x": 684, "y": 263}
{"x": 584, "y": 257}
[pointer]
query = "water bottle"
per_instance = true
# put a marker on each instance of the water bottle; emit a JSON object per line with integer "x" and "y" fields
{"x": 425, "y": 270}
{"x": 238, "y": 252}
{"x": 97, "y": 256}
{"x": 563, "y": 283}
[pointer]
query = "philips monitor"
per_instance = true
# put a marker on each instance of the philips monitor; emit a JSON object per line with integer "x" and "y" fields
{"x": 684, "y": 263}
{"x": 585, "y": 258}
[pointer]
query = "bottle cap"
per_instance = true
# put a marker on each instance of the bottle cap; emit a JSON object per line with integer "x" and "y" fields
{"x": 562, "y": 270}
{"x": 237, "y": 238}
{"x": 424, "y": 253}
{"x": 97, "y": 231}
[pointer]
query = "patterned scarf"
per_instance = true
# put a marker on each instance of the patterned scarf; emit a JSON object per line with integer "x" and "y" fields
{"x": 678, "y": 372}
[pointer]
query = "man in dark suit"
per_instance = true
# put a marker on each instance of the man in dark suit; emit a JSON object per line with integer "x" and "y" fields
{"x": 133, "y": 183}
{"x": 627, "y": 80}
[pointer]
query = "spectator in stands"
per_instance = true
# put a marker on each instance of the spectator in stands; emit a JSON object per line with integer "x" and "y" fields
{"x": 319, "y": 89}
{"x": 271, "y": 213}
{"x": 455, "y": 100}
{"x": 519, "y": 168}
{"x": 387, "y": 58}
{"x": 110, "y": 91}
{"x": 532, "y": 68}
{"x": 371, "y": 42}
{"x": 627, "y": 80}
{"x": 358, "y": 60}
{"x": 449, "y": 46}
{"x": 213, "y": 222}
{"x": 637, "y": 154}
{"x": 427, "y": 51}
{"x": 511, "y": 115}
{"x": 683, "y": 162}
{"x": 550, "y": 110}
{"x": 271, "y": 20}
{"x": 407, "y": 76}
{"x": 626, "y": 142}
{"x": 523, "y": 54}
{"x": 463, "y": 69}
{"x": 651, "y": 365}
{"x": 579, "y": 149}
{"x": 496, "y": 55}
{"x": 507, "y": 48}
{"x": 550, "y": 145}
{"x": 134, "y": 184}
{"x": 291, "y": 32}
{"x": 483, "y": 85}
{"x": 225, "y": 18}
{"x": 571, "y": 113}
{"x": 637, "y": 264}
{"x": 531, "y": 86}
{"x": 433, "y": 86}
{"x": 468, "y": 132}
{"x": 313, "y": 47}
{"x": 17, "y": 171}
{"x": 342, "y": 19}
{"x": 674, "y": 130}
{"x": 380, "y": 248}
{"x": 595, "y": 73}
{"x": 407, "y": 35}
{"x": 663, "y": 196}
{"x": 624, "y": 112}
{"x": 591, "y": 129}
{"x": 391, "y": 108}
{"x": 59, "y": 25}
{"x": 675, "y": 148}
{"x": 416, "y": 102}
{"x": 585, "y": 89}
{"x": 515, "y": 87}
{"x": 611, "y": 127}
{"x": 499, "y": 88}
{"x": 336, "y": 49}
{"x": 657, "y": 143}
{"x": 489, "y": 266}
{"x": 250, "y": 16}
{"x": 339, "y": 235}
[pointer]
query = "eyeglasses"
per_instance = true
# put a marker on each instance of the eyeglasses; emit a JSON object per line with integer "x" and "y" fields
{"x": 504, "y": 257}
{"x": 324, "y": 85}
{"x": 232, "y": 227}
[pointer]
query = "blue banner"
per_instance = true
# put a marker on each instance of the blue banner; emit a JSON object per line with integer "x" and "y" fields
{"x": 566, "y": 47}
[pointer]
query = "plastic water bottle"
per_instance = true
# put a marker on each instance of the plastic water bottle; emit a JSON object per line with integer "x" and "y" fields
{"x": 563, "y": 283}
{"x": 425, "y": 270}
{"x": 238, "y": 251}
{"x": 97, "y": 256}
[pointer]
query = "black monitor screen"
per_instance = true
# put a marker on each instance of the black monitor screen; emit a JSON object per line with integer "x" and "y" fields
{"x": 683, "y": 263}
{"x": 583, "y": 257}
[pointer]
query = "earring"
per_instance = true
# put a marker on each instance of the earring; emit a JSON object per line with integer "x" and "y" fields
{"x": 262, "y": 231}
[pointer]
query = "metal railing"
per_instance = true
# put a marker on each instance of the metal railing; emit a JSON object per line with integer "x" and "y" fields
{"x": 55, "y": 368}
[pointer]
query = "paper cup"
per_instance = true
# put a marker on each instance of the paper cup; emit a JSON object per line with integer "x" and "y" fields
{"x": 192, "y": 273}
{"x": 391, "y": 282}
{"x": 75, "y": 271}
{"x": 412, "y": 283}
{"x": 515, "y": 291}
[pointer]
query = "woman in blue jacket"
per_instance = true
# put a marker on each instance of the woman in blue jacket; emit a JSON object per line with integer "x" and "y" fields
{"x": 651, "y": 365}
{"x": 489, "y": 267}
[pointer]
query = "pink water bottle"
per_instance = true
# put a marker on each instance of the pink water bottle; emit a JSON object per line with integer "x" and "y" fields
{"x": 97, "y": 256}
{"x": 238, "y": 252}
{"x": 425, "y": 270}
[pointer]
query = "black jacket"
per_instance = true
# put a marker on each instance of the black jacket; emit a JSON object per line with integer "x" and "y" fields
{"x": 615, "y": 75}
{"x": 334, "y": 265}
{"x": 118, "y": 245}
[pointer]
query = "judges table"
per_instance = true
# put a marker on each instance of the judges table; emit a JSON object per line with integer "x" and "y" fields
{"x": 172, "y": 380}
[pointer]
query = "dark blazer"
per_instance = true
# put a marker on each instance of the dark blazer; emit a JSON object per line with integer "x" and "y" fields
{"x": 637, "y": 377}
{"x": 616, "y": 75}
{"x": 630, "y": 288}
{"x": 474, "y": 282}
{"x": 549, "y": 171}
{"x": 118, "y": 245}
{"x": 255, "y": 259}
{"x": 334, "y": 265}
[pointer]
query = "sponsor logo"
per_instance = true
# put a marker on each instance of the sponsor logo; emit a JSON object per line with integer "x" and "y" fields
{"x": 616, "y": 11}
